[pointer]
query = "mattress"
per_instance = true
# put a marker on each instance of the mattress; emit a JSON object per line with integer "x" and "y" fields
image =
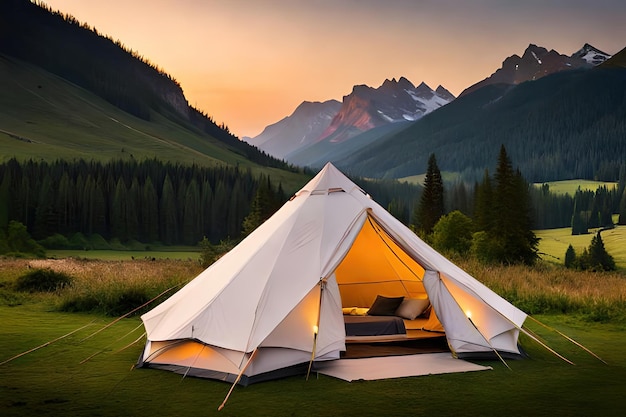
{"x": 373, "y": 325}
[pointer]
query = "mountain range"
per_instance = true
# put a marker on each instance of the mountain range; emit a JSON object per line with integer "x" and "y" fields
{"x": 537, "y": 62}
{"x": 566, "y": 125}
{"x": 371, "y": 150}
{"x": 324, "y": 124}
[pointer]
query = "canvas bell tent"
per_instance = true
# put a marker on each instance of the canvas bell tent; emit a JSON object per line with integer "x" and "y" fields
{"x": 275, "y": 304}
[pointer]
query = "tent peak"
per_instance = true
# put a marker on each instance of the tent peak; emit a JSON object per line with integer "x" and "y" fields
{"x": 329, "y": 180}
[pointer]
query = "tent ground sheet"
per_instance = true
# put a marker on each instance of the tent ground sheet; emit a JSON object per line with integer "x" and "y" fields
{"x": 370, "y": 369}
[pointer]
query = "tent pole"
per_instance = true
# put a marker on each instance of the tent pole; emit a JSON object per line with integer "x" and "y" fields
{"x": 192, "y": 363}
{"x": 317, "y": 326}
{"x": 237, "y": 379}
{"x": 312, "y": 355}
{"x": 490, "y": 345}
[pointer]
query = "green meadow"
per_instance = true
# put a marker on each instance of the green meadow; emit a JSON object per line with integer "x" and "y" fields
{"x": 126, "y": 255}
{"x": 81, "y": 364}
{"x": 570, "y": 186}
{"x": 554, "y": 243}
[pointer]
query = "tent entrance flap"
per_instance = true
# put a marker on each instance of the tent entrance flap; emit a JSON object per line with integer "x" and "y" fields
{"x": 377, "y": 265}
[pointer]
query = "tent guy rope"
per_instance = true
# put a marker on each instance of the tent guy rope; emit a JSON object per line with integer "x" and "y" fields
{"x": 130, "y": 312}
{"x": 47, "y": 343}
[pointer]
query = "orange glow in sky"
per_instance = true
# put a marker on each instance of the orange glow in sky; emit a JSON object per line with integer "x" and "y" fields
{"x": 250, "y": 63}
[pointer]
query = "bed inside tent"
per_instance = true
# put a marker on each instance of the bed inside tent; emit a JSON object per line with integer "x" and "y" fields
{"x": 385, "y": 306}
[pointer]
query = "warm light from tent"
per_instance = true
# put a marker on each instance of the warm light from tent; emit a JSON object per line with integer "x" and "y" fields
{"x": 468, "y": 314}
{"x": 315, "y": 329}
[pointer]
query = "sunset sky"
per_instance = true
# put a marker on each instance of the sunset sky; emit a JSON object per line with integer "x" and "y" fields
{"x": 250, "y": 63}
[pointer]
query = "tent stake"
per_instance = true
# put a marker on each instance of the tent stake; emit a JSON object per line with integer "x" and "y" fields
{"x": 237, "y": 379}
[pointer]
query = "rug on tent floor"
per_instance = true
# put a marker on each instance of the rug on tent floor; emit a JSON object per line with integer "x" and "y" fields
{"x": 370, "y": 369}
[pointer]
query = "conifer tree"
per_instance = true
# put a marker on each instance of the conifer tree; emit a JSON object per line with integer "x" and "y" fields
{"x": 263, "y": 206}
{"x": 622, "y": 209}
{"x": 191, "y": 224}
{"x": 149, "y": 227}
{"x": 168, "y": 224}
{"x": 119, "y": 212}
{"x": 579, "y": 226}
{"x": 508, "y": 231}
{"x": 4, "y": 198}
{"x": 599, "y": 258}
{"x": 570, "y": 257}
{"x": 483, "y": 204}
{"x": 431, "y": 205}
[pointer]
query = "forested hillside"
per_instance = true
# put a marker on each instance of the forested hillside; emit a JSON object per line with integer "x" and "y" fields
{"x": 563, "y": 126}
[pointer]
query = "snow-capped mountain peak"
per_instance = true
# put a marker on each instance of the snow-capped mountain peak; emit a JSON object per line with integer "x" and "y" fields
{"x": 592, "y": 55}
{"x": 394, "y": 101}
{"x": 537, "y": 62}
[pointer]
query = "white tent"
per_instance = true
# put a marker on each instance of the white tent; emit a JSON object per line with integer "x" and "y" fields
{"x": 273, "y": 304}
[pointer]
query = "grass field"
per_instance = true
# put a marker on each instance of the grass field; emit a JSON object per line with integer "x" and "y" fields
{"x": 570, "y": 186}
{"x": 554, "y": 243}
{"x": 90, "y": 371}
{"x": 55, "y": 381}
{"x": 125, "y": 255}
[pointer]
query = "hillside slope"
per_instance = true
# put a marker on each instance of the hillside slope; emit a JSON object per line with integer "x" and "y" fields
{"x": 69, "y": 92}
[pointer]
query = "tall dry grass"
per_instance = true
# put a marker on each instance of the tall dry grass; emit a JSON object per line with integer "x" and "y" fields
{"x": 109, "y": 287}
{"x": 547, "y": 288}
{"x": 116, "y": 287}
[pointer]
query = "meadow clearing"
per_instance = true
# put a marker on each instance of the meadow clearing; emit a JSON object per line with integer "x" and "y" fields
{"x": 84, "y": 365}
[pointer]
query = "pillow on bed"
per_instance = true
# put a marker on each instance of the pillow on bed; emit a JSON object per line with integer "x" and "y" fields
{"x": 385, "y": 306}
{"x": 355, "y": 311}
{"x": 410, "y": 308}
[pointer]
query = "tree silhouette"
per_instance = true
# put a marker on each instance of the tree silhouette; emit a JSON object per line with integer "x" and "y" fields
{"x": 431, "y": 205}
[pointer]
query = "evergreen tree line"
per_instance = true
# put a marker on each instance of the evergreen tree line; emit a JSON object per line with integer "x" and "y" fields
{"x": 148, "y": 201}
{"x": 584, "y": 210}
